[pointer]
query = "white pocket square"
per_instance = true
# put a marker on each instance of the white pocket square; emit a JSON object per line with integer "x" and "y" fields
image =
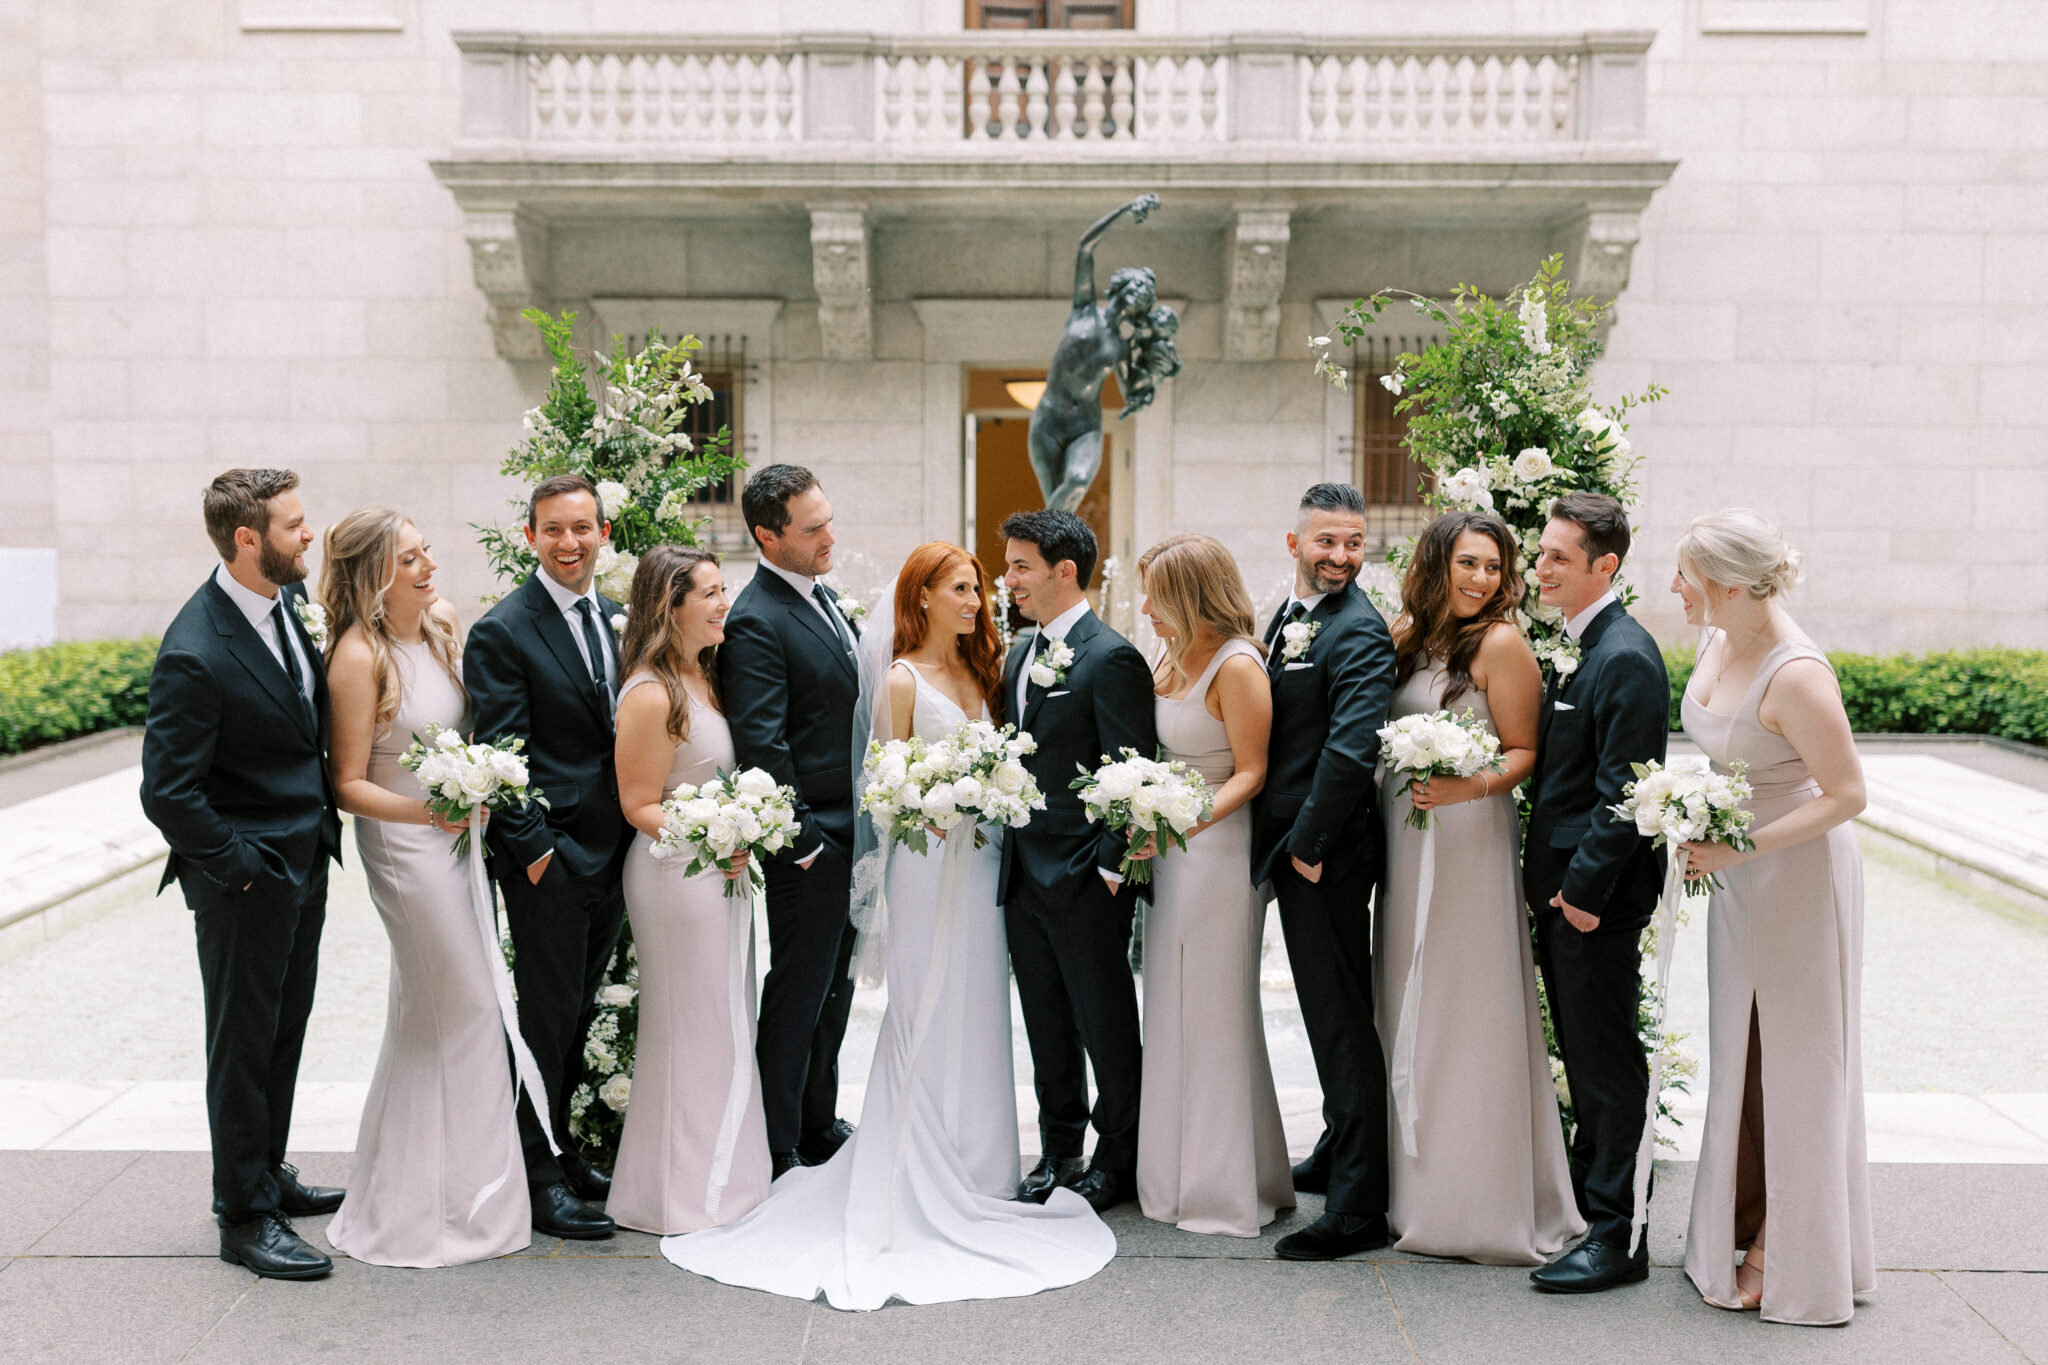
{"x": 1289, "y": 668}
{"x": 1564, "y": 706}
{"x": 1061, "y": 693}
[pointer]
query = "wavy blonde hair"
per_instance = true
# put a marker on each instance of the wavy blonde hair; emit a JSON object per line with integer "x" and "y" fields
{"x": 356, "y": 573}
{"x": 1193, "y": 580}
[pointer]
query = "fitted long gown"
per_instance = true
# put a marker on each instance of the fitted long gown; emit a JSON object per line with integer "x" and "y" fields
{"x": 1489, "y": 1181}
{"x": 917, "y": 1205}
{"x": 694, "y": 1150}
{"x": 1785, "y": 950}
{"x": 1212, "y": 1155}
{"x": 438, "y": 1178}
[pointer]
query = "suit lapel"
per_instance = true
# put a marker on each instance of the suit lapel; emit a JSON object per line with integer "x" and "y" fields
{"x": 553, "y": 630}
{"x": 1077, "y": 639}
{"x": 797, "y": 605}
{"x": 255, "y": 656}
{"x": 1020, "y": 650}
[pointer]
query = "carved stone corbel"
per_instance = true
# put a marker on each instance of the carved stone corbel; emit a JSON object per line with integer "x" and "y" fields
{"x": 507, "y": 255}
{"x": 1597, "y": 250}
{"x": 839, "y": 272}
{"x": 1258, "y": 270}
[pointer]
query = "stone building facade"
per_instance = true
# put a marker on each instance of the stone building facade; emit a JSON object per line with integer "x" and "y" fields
{"x": 299, "y": 232}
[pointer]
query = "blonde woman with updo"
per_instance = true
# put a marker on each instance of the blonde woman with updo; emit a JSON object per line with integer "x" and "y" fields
{"x": 438, "y": 1176}
{"x": 1782, "y": 1153}
{"x": 1212, "y": 1155}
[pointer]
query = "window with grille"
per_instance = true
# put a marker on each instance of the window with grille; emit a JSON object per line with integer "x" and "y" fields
{"x": 723, "y": 363}
{"x": 1074, "y": 14}
{"x": 1380, "y": 464}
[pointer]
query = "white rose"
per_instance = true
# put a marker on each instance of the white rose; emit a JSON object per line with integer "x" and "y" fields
{"x": 700, "y": 810}
{"x": 448, "y": 739}
{"x": 510, "y": 768}
{"x": 967, "y": 792}
{"x": 891, "y": 771}
{"x": 613, "y": 495}
{"x": 1009, "y": 777}
{"x": 616, "y": 996}
{"x": 754, "y": 782}
{"x": 722, "y": 834}
{"x": 908, "y": 797}
{"x": 749, "y": 826}
{"x": 1184, "y": 809}
{"x": 1648, "y": 820}
{"x": 1533, "y": 464}
{"x": 1042, "y": 675}
{"x": 478, "y": 782}
{"x": 616, "y": 1092}
{"x": 1145, "y": 803}
{"x": 938, "y": 801}
{"x": 1116, "y": 782}
{"x": 1565, "y": 664}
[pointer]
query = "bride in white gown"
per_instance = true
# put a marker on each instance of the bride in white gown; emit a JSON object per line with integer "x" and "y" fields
{"x": 918, "y": 1205}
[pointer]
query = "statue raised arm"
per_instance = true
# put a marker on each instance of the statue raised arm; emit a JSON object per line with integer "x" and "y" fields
{"x": 1127, "y": 333}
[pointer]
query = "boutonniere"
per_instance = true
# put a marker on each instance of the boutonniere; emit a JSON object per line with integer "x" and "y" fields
{"x": 619, "y": 623}
{"x": 851, "y": 609}
{"x": 313, "y": 617}
{"x": 1561, "y": 658}
{"x": 1050, "y": 668}
{"x": 1296, "y": 637}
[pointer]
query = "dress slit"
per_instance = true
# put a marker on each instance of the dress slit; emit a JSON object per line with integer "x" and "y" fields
{"x": 1751, "y": 1202}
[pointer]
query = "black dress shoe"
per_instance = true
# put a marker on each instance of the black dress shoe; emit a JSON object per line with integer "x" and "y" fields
{"x": 267, "y": 1245}
{"x": 557, "y": 1212}
{"x": 1104, "y": 1190}
{"x": 1334, "y": 1235}
{"x": 1310, "y": 1178}
{"x": 585, "y": 1181}
{"x": 300, "y": 1200}
{"x": 1591, "y": 1267}
{"x": 782, "y": 1163}
{"x": 820, "y": 1147}
{"x": 1049, "y": 1174}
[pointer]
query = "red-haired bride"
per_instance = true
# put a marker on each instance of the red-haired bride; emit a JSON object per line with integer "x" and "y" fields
{"x": 917, "y": 1205}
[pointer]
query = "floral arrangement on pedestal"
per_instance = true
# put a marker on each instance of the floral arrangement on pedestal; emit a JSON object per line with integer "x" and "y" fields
{"x": 618, "y": 421}
{"x": 1501, "y": 416}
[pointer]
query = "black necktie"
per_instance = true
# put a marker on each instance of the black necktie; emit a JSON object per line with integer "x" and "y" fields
{"x": 594, "y": 646}
{"x": 831, "y": 610}
{"x": 1288, "y": 613}
{"x": 291, "y": 656}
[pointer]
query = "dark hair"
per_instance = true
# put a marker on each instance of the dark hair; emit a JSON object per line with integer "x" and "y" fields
{"x": 1058, "y": 535}
{"x": 664, "y": 581}
{"x": 555, "y": 486}
{"x": 1602, "y": 523}
{"x": 241, "y": 497}
{"x": 1427, "y": 628}
{"x": 764, "y": 502}
{"x": 1333, "y": 497}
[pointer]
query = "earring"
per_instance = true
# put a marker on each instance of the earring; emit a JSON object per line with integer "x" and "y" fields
{"x": 924, "y": 606}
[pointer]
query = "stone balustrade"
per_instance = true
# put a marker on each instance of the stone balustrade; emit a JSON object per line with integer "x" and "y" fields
{"x": 1051, "y": 94}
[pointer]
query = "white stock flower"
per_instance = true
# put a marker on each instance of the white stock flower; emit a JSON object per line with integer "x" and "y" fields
{"x": 1532, "y": 464}
{"x": 448, "y": 739}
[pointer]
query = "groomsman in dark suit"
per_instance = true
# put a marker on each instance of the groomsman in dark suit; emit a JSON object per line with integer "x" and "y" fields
{"x": 1316, "y": 838}
{"x": 234, "y": 773}
{"x": 1065, "y": 904}
{"x": 543, "y": 664}
{"x": 1591, "y": 880}
{"x": 789, "y": 680}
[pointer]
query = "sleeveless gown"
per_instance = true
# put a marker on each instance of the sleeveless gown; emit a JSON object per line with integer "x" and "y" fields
{"x": 1212, "y": 1155}
{"x": 918, "y": 1205}
{"x": 438, "y": 1177}
{"x": 694, "y": 1150}
{"x": 1489, "y": 1181}
{"x": 1785, "y": 938}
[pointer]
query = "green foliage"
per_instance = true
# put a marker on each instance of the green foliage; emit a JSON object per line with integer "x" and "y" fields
{"x": 1991, "y": 691}
{"x": 63, "y": 691}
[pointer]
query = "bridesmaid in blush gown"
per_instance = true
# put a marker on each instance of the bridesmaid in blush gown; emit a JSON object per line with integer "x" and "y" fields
{"x": 1783, "y": 1147}
{"x": 694, "y": 1153}
{"x": 438, "y": 1175}
{"x": 1212, "y": 1155}
{"x": 1477, "y": 1153}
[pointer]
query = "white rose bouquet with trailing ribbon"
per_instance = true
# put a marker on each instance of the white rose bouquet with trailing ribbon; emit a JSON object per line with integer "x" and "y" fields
{"x": 1155, "y": 803}
{"x": 462, "y": 778}
{"x": 734, "y": 813}
{"x": 1684, "y": 801}
{"x": 914, "y": 786}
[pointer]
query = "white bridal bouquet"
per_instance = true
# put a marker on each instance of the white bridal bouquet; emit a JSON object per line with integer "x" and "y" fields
{"x": 1149, "y": 800}
{"x": 1438, "y": 744}
{"x": 914, "y": 786}
{"x": 1688, "y": 802}
{"x": 463, "y": 778}
{"x": 734, "y": 812}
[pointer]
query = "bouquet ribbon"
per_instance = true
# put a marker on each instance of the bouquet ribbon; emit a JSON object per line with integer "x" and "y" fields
{"x": 523, "y": 1066}
{"x": 1667, "y": 939}
{"x": 1401, "y": 1071}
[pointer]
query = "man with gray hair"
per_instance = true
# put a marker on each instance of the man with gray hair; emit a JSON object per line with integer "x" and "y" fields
{"x": 1316, "y": 838}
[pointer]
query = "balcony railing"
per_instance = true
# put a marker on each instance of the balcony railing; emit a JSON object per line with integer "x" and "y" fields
{"x": 1050, "y": 94}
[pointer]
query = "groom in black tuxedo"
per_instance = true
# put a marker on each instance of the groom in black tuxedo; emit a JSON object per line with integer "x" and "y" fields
{"x": 543, "y": 665}
{"x": 1316, "y": 838}
{"x": 1591, "y": 881}
{"x": 1065, "y": 904}
{"x": 234, "y": 773}
{"x": 789, "y": 680}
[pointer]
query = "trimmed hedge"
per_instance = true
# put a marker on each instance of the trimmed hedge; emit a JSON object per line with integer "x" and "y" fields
{"x": 64, "y": 691}
{"x": 2001, "y": 692}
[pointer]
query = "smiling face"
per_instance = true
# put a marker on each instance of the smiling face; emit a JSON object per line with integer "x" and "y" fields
{"x": 1695, "y": 599}
{"x": 566, "y": 532}
{"x": 1567, "y": 577}
{"x": 805, "y": 545}
{"x": 281, "y": 550}
{"x": 1475, "y": 574}
{"x": 699, "y": 619}
{"x": 1041, "y": 590}
{"x": 412, "y": 573}
{"x": 1328, "y": 548}
{"x": 952, "y": 604}
{"x": 1161, "y": 627}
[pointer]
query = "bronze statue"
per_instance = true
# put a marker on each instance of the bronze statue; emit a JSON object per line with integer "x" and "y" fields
{"x": 1130, "y": 333}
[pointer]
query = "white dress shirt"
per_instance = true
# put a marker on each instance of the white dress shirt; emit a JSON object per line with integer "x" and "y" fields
{"x": 807, "y": 588}
{"x": 1055, "y": 629}
{"x": 567, "y": 601}
{"x": 1575, "y": 626}
{"x": 262, "y": 614}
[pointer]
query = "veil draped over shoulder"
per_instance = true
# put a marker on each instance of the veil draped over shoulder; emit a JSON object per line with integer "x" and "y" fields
{"x": 869, "y": 907}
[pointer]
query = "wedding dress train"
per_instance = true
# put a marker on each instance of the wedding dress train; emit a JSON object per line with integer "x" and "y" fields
{"x": 917, "y": 1205}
